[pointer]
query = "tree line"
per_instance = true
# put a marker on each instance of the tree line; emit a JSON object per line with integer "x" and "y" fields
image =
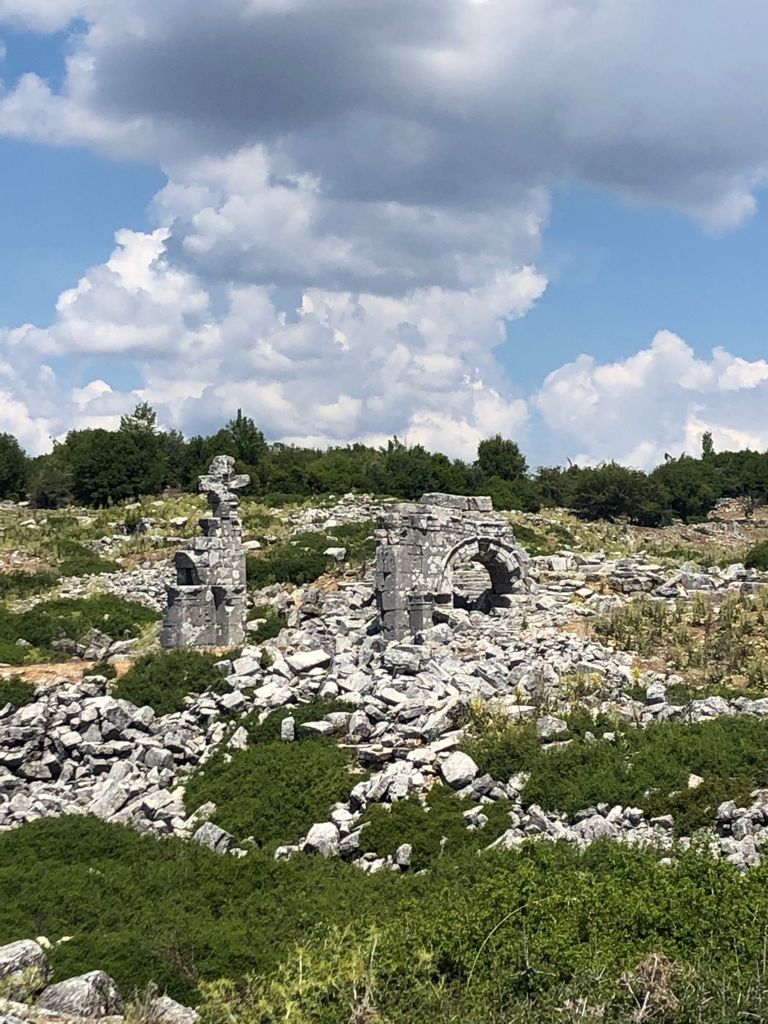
{"x": 99, "y": 467}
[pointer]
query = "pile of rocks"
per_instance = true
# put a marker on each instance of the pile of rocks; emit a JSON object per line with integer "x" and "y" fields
{"x": 146, "y": 584}
{"x": 350, "y": 508}
{"x": 27, "y": 995}
{"x": 78, "y": 750}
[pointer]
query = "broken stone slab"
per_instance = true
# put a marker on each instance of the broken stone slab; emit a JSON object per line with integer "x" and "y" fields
{"x": 548, "y": 727}
{"x": 322, "y": 838}
{"x": 305, "y": 661}
{"x": 213, "y": 837}
{"x": 164, "y": 1010}
{"x": 458, "y": 770}
{"x": 94, "y": 994}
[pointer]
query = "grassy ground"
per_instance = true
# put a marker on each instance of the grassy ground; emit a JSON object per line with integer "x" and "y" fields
{"x": 545, "y": 935}
{"x": 713, "y": 643}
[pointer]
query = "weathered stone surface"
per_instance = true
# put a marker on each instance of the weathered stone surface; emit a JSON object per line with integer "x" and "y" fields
{"x": 323, "y": 838}
{"x": 213, "y": 837}
{"x": 25, "y": 962}
{"x": 458, "y": 770}
{"x": 206, "y": 607}
{"x": 94, "y": 994}
{"x": 420, "y": 546}
{"x": 305, "y": 661}
{"x": 164, "y": 1010}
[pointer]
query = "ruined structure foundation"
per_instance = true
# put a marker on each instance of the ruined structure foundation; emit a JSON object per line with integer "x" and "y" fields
{"x": 206, "y": 607}
{"x": 420, "y": 545}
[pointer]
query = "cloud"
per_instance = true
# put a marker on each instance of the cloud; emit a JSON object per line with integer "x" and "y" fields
{"x": 342, "y": 365}
{"x": 426, "y": 103}
{"x": 44, "y": 15}
{"x": 356, "y": 196}
{"x": 661, "y": 399}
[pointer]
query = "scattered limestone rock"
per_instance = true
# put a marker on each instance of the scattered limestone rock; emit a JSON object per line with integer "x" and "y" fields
{"x": 458, "y": 770}
{"x": 94, "y": 994}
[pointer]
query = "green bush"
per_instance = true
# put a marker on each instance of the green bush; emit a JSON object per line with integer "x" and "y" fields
{"x": 547, "y": 934}
{"x": 21, "y": 584}
{"x": 14, "y": 690}
{"x": 163, "y": 679}
{"x": 274, "y": 791}
{"x": 73, "y": 618}
{"x": 647, "y": 768}
{"x": 102, "y": 668}
{"x": 433, "y": 828}
{"x": 285, "y": 563}
{"x": 69, "y": 618}
{"x": 271, "y": 625}
{"x": 757, "y": 557}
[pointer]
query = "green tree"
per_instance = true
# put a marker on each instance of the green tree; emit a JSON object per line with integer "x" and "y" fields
{"x": 707, "y": 445}
{"x": 612, "y": 491}
{"x": 497, "y": 456}
{"x": 250, "y": 444}
{"x": 143, "y": 420}
{"x": 14, "y": 467}
{"x": 687, "y": 487}
{"x": 50, "y": 479}
{"x": 110, "y": 466}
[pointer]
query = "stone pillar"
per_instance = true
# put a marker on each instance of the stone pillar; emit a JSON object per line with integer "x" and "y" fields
{"x": 206, "y": 607}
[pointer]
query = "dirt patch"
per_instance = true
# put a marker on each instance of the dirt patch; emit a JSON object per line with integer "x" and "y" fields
{"x": 58, "y": 671}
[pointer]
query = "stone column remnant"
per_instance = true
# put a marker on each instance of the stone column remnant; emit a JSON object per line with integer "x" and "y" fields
{"x": 206, "y": 607}
{"x": 420, "y": 544}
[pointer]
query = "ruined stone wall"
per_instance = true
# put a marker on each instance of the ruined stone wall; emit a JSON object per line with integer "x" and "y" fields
{"x": 206, "y": 607}
{"x": 420, "y": 544}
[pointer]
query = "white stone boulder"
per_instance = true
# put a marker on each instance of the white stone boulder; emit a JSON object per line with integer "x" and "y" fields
{"x": 94, "y": 994}
{"x": 458, "y": 770}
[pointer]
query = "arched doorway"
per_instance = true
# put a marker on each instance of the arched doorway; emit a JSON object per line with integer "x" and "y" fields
{"x": 479, "y": 574}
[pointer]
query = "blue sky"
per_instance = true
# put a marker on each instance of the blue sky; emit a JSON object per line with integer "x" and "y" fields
{"x": 403, "y": 223}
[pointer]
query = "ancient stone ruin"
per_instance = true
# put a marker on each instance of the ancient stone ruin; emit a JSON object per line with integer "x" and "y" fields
{"x": 206, "y": 607}
{"x": 422, "y": 546}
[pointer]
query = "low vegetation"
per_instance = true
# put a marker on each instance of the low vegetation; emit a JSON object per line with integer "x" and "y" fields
{"x": 273, "y": 791}
{"x": 164, "y": 679}
{"x": 712, "y": 642}
{"x": 67, "y": 618}
{"x": 433, "y": 827}
{"x": 302, "y": 559}
{"x": 15, "y": 691}
{"x": 285, "y": 563}
{"x": 647, "y": 768}
{"x": 544, "y": 935}
{"x": 757, "y": 557}
{"x": 269, "y": 622}
{"x": 23, "y": 584}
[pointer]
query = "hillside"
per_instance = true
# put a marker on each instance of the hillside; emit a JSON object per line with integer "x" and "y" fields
{"x": 550, "y": 811}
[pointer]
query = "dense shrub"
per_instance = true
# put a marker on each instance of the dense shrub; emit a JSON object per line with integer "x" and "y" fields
{"x": 547, "y": 934}
{"x": 433, "y": 828}
{"x": 270, "y": 625}
{"x": 285, "y": 563}
{"x": 78, "y": 560}
{"x": 163, "y": 679}
{"x": 647, "y": 768}
{"x": 21, "y": 584}
{"x": 101, "y": 668}
{"x": 274, "y": 791}
{"x": 15, "y": 691}
{"x": 69, "y": 618}
{"x": 757, "y": 557}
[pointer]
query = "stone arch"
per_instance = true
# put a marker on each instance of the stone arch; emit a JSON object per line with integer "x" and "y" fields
{"x": 502, "y": 562}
